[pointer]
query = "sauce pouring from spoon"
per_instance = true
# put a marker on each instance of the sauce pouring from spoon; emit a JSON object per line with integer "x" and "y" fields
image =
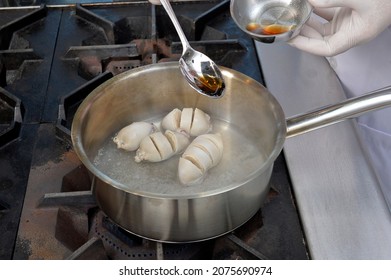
{"x": 200, "y": 71}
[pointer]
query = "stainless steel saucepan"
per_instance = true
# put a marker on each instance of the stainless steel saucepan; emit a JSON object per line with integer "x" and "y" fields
{"x": 146, "y": 198}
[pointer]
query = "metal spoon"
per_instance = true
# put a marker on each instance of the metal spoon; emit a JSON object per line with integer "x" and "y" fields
{"x": 200, "y": 71}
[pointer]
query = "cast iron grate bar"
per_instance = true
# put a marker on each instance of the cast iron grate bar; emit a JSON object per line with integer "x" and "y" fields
{"x": 195, "y": 28}
{"x": 14, "y": 106}
{"x": 93, "y": 60}
{"x": 244, "y": 248}
{"x": 105, "y": 24}
{"x": 201, "y": 20}
{"x": 10, "y": 134}
{"x": 3, "y": 74}
{"x": 4, "y": 209}
{"x": 102, "y": 51}
{"x": 3, "y": 206}
{"x": 70, "y": 103}
{"x": 6, "y": 31}
{"x": 13, "y": 59}
{"x": 218, "y": 50}
{"x": 75, "y": 199}
{"x": 93, "y": 249}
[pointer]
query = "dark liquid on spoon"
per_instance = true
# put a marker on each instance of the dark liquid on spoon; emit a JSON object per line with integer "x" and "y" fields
{"x": 212, "y": 86}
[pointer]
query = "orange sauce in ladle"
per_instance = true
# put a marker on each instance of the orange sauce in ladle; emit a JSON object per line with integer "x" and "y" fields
{"x": 272, "y": 29}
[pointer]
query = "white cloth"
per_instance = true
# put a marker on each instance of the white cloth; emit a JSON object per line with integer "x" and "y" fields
{"x": 363, "y": 69}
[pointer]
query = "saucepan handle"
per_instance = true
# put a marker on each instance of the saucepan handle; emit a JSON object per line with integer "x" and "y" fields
{"x": 332, "y": 114}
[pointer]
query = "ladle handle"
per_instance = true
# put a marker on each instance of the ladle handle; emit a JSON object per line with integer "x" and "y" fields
{"x": 167, "y": 6}
{"x": 328, "y": 115}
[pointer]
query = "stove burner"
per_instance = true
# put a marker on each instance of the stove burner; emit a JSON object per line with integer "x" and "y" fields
{"x": 128, "y": 42}
{"x": 80, "y": 223}
{"x": 120, "y": 244}
{"x": 83, "y": 228}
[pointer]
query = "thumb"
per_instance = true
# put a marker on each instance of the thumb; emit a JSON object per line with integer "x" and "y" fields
{"x": 353, "y": 4}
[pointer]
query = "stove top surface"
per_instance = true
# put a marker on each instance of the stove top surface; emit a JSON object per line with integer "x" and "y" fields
{"x": 51, "y": 57}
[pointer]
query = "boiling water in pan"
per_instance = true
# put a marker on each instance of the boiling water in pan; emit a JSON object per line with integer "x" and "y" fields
{"x": 241, "y": 157}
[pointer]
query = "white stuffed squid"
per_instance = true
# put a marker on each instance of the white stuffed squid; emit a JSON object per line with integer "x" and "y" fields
{"x": 129, "y": 137}
{"x": 193, "y": 121}
{"x": 158, "y": 146}
{"x": 204, "y": 152}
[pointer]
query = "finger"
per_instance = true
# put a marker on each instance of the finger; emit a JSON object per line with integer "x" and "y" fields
{"x": 320, "y": 25}
{"x": 309, "y": 45}
{"x": 309, "y": 32}
{"x": 340, "y": 42}
{"x": 326, "y": 13}
{"x": 316, "y": 24}
{"x": 353, "y": 4}
{"x": 326, "y": 46}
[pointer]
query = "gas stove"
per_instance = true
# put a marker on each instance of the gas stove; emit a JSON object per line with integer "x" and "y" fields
{"x": 52, "y": 55}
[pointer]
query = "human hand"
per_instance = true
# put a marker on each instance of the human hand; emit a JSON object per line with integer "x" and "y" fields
{"x": 342, "y": 24}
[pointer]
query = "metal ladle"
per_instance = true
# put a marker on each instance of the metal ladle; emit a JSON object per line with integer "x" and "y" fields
{"x": 199, "y": 70}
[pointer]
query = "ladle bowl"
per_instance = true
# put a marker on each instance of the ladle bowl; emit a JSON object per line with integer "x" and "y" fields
{"x": 270, "y": 21}
{"x": 200, "y": 71}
